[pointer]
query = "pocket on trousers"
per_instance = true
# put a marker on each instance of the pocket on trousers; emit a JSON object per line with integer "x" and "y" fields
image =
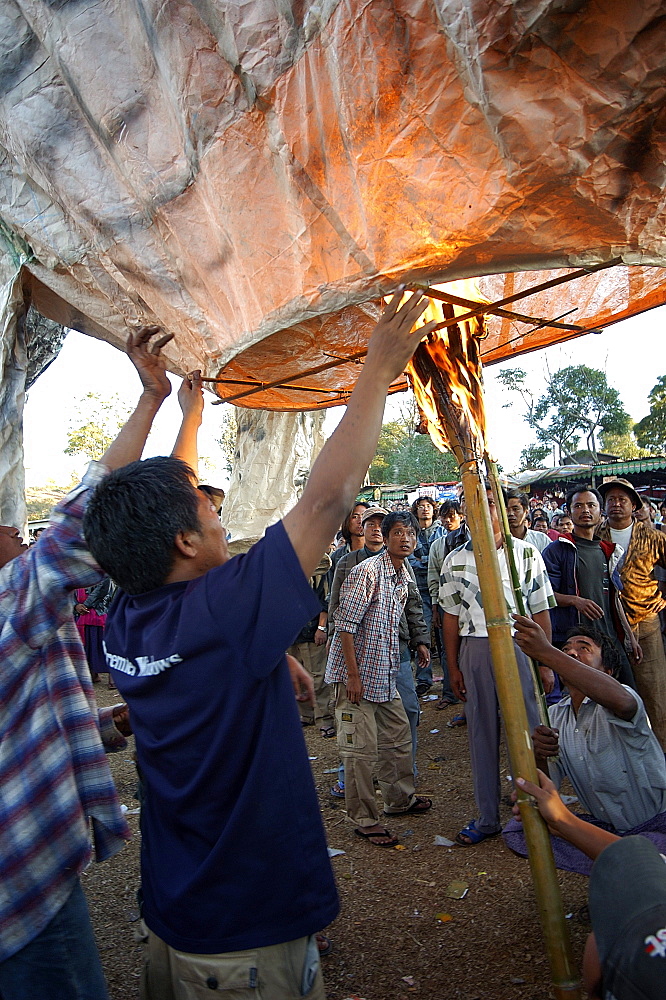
{"x": 351, "y": 735}
{"x": 232, "y": 975}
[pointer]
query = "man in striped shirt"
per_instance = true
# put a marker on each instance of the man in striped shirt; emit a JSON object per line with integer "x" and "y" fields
{"x": 470, "y": 666}
{"x": 373, "y": 731}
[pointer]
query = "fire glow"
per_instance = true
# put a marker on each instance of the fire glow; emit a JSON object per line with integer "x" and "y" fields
{"x": 446, "y": 377}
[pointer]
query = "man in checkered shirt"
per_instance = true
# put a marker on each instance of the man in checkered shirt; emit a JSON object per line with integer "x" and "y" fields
{"x": 470, "y": 666}
{"x": 373, "y": 731}
{"x": 54, "y": 776}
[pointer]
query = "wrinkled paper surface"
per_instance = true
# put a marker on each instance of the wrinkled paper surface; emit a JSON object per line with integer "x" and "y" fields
{"x": 255, "y": 175}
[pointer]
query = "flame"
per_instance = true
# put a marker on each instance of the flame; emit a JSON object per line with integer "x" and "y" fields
{"x": 446, "y": 376}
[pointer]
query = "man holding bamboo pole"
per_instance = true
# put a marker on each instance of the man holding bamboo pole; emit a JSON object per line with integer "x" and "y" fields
{"x": 467, "y": 647}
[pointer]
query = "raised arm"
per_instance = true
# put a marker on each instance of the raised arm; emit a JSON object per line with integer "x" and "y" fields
{"x": 595, "y": 684}
{"x": 190, "y": 397}
{"x": 337, "y": 474}
{"x": 131, "y": 439}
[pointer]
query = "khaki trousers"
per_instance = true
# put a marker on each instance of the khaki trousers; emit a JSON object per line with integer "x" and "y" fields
{"x": 313, "y": 658}
{"x": 650, "y": 675}
{"x": 374, "y": 738}
{"x": 279, "y": 972}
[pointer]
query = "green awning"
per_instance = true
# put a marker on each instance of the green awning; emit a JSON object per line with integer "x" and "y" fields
{"x": 631, "y": 467}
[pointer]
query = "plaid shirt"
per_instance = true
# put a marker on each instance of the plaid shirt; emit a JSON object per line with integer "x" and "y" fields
{"x": 460, "y": 593}
{"x": 54, "y": 774}
{"x": 372, "y": 599}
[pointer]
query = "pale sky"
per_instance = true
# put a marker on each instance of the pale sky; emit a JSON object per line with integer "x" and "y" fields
{"x": 631, "y": 353}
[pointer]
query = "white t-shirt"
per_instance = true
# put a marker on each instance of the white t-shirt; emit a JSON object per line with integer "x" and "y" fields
{"x": 622, "y": 536}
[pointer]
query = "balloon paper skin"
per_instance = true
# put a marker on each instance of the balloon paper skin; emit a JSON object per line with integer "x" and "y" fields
{"x": 255, "y": 176}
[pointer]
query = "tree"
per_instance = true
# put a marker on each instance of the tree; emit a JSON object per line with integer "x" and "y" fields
{"x": 533, "y": 456}
{"x": 651, "y": 430}
{"x": 95, "y": 425}
{"x": 578, "y": 400}
{"x": 40, "y": 500}
{"x": 625, "y": 446}
{"x": 227, "y": 439}
{"x": 405, "y": 456}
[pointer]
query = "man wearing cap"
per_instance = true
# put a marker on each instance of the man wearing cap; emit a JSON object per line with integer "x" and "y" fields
{"x": 363, "y": 663}
{"x": 625, "y": 954}
{"x": 644, "y": 548}
{"x": 414, "y": 634}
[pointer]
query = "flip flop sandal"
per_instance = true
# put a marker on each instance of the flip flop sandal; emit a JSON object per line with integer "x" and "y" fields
{"x": 473, "y": 834}
{"x": 420, "y": 805}
{"x": 444, "y": 703}
{"x": 328, "y": 732}
{"x": 337, "y": 791}
{"x": 456, "y": 721}
{"x": 384, "y": 833}
{"x": 324, "y": 944}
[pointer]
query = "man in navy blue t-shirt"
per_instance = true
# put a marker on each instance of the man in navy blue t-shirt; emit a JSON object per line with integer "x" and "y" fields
{"x": 235, "y": 872}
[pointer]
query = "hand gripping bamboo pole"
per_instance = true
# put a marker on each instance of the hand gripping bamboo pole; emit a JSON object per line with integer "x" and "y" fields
{"x": 565, "y": 981}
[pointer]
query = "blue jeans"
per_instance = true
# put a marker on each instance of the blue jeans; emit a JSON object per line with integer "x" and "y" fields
{"x": 405, "y": 685}
{"x": 61, "y": 963}
{"x": 424, "y": 674}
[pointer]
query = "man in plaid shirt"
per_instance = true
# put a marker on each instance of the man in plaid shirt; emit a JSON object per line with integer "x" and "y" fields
{"x": 373, "y": 731}
{"x": 54, "y": 775}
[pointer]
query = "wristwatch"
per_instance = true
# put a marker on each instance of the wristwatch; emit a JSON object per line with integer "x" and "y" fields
{"x": 322, "y": 628}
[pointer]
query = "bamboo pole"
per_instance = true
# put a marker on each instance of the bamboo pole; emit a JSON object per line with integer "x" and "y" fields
{"x": 498, "y": 496}
{"x": 565, "y": 982}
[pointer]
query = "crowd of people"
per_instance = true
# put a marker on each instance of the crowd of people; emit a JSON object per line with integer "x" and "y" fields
{"x": 220, "y": 662}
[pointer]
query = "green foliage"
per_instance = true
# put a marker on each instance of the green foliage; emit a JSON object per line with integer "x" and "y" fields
{"x": 624, "y": 446}
{"x": 40, "y": 500}
{"x": 578, "y": 400}
{"x": 404, "y": 456}
{"x": 651, "y": 430}
{"x": 533, "y": 457}
{"x": 95, "y": 425}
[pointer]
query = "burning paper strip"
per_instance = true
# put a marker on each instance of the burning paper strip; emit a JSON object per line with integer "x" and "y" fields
{"x": 447, "y": 380}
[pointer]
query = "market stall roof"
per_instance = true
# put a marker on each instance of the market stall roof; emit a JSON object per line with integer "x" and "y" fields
{"x": 640, "y": 471}
{"x": 630, "y": 467}
{"x": 559, "y": 474}
{"x": 256, "y": 176}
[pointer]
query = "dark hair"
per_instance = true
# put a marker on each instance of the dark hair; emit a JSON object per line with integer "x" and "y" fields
{"x": 450, "y": 507}
{"x": 611, "y": 657}
{"x": 345, "y": 528}
{"x": 133, "y": 517}
{"x": 399, "y": 517}
{"x": 521, "y": 497}
{"x": 430, "y": 501}
{"x": 541, "y": 517}
{"x": 558, "y": 518}
{"x": 584, "y": 489}
{"x": 216, "y": 495}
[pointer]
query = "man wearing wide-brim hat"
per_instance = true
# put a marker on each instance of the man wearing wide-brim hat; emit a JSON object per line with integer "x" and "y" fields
{"x": 644, "y": 548}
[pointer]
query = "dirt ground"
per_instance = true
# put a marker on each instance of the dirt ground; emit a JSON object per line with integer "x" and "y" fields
{"x": 388, "y": 942}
